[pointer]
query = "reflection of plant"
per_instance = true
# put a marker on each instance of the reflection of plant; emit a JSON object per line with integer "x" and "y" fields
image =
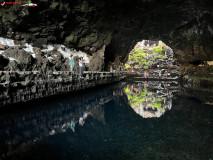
{"x": 161, "y": 99}
{"x": 137, "y": 98}
{"x": 157, "y": 104}
{"x": 144, "y": 100}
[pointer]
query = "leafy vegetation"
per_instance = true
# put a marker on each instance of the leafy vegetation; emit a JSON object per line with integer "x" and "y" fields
{"x": 145, "y": 67}
{"x": 145, "y": 57}
{"x": 127, "y": 90}
{"x": 158, "y": 49}
{"x": 128, "y": 66}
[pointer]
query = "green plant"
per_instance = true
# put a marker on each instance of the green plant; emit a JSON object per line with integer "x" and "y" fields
{"x": 146, "y": 57}
{"x": 145, "y": 89}
{"x": 130, "y": 57}
{"x": 127, "y": 90}
{"x": 129, "y": 97}
{"x": 158, "y": 49}
{"x": 145, "y": 67}
{"x": 128, "y": 66}
{"x": 143, "y": 61}
{"x": 157, "y": 104}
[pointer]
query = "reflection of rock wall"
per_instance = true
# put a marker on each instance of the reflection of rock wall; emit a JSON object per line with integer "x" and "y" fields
{"x": 19, "y": 132}
{"x": 25, "y": 86}
{"x": 205, "y": 95}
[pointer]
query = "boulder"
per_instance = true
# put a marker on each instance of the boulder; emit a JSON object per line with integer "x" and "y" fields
{"x": 39, "y": 42}
{"x": 41, "y": 62}
{"x": 36, "y": 50}
{"x": 24, "y": 59}
{"x": 57, "y": 55}
{"x": 51, "y": 39}
{"x": 13, "y": 66}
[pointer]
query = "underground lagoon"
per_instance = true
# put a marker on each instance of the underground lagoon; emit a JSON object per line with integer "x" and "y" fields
{"x": 106, "y": 79}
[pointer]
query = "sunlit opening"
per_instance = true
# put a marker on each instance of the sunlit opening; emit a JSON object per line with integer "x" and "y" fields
{"x": 152, "y": 59}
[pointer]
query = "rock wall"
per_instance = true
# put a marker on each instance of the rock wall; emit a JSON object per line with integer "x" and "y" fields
{"x": 87, "y": 25}
{"x": 30, "y": 85}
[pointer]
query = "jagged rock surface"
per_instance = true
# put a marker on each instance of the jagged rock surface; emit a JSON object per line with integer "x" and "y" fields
{"x": 186, "y": 26}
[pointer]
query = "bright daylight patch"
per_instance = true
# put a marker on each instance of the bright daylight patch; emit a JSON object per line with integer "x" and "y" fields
{"x": 152, "y": 59}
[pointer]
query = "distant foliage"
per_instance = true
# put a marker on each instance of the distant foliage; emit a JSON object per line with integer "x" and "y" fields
{"x": 128, "y": 66}
{"x": 127, "y": 90}
{"x": 145, "y": 57}
{"x": 145, "y": 67}
{"x": 158, "y": 49}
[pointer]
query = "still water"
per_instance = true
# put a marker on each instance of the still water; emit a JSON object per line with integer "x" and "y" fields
{"x": 137, "y": 120}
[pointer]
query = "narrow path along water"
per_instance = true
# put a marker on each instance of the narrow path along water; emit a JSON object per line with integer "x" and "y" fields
{"x": 128, "y": 120}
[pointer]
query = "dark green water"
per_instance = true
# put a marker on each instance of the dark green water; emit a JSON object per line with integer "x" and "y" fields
{"x": 140, "y": 120}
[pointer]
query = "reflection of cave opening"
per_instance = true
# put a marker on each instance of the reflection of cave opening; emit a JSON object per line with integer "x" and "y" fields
{"x": 151, "y": 98}
{"x": 152, "y": 59}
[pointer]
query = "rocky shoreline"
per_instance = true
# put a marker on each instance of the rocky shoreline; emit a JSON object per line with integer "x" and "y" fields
{"x": 26, "y": 86}
{"x": 28, "y": 72}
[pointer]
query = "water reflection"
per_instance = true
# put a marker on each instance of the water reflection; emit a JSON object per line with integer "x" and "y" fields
{"x": 100, "y": 124}
{"x": 148, "y": 99}
{"x": 30, "y": 126}
{"x": 151, "y": 99}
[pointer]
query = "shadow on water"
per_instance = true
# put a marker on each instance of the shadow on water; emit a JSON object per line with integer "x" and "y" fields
{"x": 128, "y": 120}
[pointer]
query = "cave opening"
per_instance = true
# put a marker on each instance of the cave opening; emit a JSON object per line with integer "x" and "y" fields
{"x": 152, "y": 59}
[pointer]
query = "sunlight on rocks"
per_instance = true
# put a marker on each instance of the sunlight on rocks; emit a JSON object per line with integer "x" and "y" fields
{"x": 152, "y": 59}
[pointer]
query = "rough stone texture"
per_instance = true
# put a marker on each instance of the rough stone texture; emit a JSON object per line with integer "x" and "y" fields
{"x": 41, "y": 62}
{"x": 49, "y": 84}
{"x": 17, "y": 59}
{"x": 97, "y": 61}
{"x": 14, "y": 66}
{"x": 23, "y": 58}
{"x": 194, "y": 70}
{"x": 185, "y": 25}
